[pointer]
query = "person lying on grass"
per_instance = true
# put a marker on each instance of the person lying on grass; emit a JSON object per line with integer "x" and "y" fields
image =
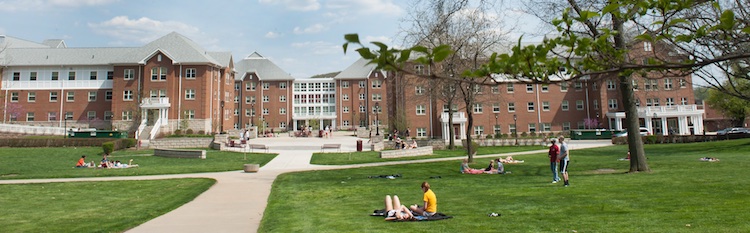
{"x": 395, "y": 211}
{"x": 465, "y": 169}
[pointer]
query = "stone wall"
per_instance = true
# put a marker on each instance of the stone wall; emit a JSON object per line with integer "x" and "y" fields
{"x": 425, "y": 150}
{"x": 437, "y": 144}
{"x": 180, "y": 143}
{"x": 189, "y": 154}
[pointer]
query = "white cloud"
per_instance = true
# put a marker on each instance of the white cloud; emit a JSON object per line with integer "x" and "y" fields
{"x": 319, "y": 47}
{"x": 382, "y": 7}
{"x": 384, "y": 39}
{"x": 272, "y": 35}
{"x": 315, "y": 28}
{"x": 41, "y": 5}
{"x": 144, "y": 29}
{"x": 295, "y": 5}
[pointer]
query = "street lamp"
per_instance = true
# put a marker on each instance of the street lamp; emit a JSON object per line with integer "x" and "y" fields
{"x": 377, "y": 122}
{"x": 597, "y": 120}
{"x": 496, "y": 116}
{"x": 515, "y": 123}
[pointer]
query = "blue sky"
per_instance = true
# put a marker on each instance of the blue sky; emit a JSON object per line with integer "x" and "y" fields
{"x": 303, "y": 37}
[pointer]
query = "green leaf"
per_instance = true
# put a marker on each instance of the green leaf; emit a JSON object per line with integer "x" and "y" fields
{"x": 441, "y": 52}
{"x": 366, "y": 53}
{"x": 380, "y": 45}
{"x": 421, "y": 49}
{"x": 746, "y": 30}
{"x": 727, "y": 20}
{"x": 644, "y": 37}
{"x": 611, "y": 8}
{"x": 352, "y": 38}
{"x": 346, "y": 45}
{"x": 404, "y": 56}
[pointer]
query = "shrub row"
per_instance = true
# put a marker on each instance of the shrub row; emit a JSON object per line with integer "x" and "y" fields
{"x": 50, "y": 142}
{"x": 660, "y": 139}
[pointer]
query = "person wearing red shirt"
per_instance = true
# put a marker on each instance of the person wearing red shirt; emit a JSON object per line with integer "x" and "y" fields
{"x": 554, "y": 151}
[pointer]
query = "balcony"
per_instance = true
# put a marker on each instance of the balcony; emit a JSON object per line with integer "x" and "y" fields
{"x": 155, "y": 103}
{"x": 670, "y": 111}
{"x": 314, "y": 115}
{"x": 458, "y": 117}
{"x": 57, "y": 84}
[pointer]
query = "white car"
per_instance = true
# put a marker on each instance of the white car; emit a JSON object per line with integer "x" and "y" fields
{"x": 644, "y": 132}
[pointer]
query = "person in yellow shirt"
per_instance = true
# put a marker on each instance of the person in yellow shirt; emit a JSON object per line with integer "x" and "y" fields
{"x": 430, "y": 202}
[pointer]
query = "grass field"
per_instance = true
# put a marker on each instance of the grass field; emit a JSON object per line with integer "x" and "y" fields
{"x": 112, "y": 206}
{"x": 374, "y": 156}
{"x": 31, "y": 163}
{"x": 681, "y": 194}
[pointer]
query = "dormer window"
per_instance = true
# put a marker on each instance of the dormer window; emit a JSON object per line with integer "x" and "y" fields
{"x": 647, "y": 46}
{"x": 158, "y": 57}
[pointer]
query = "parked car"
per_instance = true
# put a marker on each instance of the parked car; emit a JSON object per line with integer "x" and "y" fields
{"x": 736, "y": 130}
{"x": 624, "y": 133}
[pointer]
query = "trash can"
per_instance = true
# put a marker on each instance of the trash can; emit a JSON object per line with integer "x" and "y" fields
{"x": 359, "y": 145}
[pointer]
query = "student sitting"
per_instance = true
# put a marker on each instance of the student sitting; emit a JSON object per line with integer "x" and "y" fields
{"x": 82, "y": 162}
{"x": 465, "y": 169}
{"x": 413, "y": 144}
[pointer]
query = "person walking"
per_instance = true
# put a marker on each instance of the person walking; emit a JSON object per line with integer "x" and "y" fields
{"x": 554, "y": 152}
{"x": 564, "y": 159}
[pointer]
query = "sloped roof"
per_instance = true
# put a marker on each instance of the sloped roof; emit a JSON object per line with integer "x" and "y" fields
{"x": 224, "y": 58}
{"x": 7, "y": 42}
{"x": 358, "y": 70}
{"x": 64, "y": 56}
{"x": 55, "y": 43}
{"x": 262, "y": 67}
{"x": 178, "y": 47}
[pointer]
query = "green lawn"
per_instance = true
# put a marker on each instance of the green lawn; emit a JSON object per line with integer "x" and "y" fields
{"x": 112, "y": 206}
{"x": 373, "y": 156}
{"x": 30, "y": 163}
{"x": 681, "y": 194}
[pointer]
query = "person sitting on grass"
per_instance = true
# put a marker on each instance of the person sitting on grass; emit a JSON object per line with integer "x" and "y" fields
{"x": 465, "y": 169}
{"x": 499, "y": 168}
{"x": 82, "y": 162}
{"x": 395, "y": 211}
{"x": 709, "y": 159}
{"x": 413, "y": 143}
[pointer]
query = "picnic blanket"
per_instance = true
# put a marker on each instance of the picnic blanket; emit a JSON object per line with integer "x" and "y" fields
{"x": 436, "y": 216}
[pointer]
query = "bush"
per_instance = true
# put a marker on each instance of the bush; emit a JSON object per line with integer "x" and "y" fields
{"x": 523, "y": 135}
{"x": 177, "y": 132}
{"x": 108, "y": 147}
{"x": 189, "y": 131}
{"x": 201, "y": 132}
{"x": 650, "y": 139}
{"x": 129, "y": 142}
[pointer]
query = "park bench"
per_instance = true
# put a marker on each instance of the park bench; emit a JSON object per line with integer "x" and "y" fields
{"x": 330, "y": 146}
{"x": 258, "y": 147}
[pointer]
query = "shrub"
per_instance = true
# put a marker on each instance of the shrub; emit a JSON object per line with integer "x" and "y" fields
{"x": 189, "y": 131}
{"x": 108, "y": 147}
{"x": 129, "y": 142}
{"x": 201, "y": 132}
{"x": 524, "y": 134}
{"x": 532, "y": 134}
{"x": 650, "y": 139}
{"x": 177, "y": 132}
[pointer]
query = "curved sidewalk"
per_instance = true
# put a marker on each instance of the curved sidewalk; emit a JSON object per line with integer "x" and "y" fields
{"x": 237, "y": 201}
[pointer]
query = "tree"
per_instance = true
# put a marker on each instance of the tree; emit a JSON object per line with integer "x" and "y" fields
{"x": 593, "y": 44}
{"x": 734, "y": 107}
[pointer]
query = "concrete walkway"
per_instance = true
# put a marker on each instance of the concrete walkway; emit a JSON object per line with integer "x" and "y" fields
{"x": 237, "y": 201}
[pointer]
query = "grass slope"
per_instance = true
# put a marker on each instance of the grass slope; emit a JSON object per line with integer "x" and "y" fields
{"x": 681, "y": 194}
{"x": 345, "y": 158}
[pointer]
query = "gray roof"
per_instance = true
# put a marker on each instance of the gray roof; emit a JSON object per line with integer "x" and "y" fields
{"x": 358, "y": 70}
{"x": 66, "y": 56}
{"x": 55, "y": 43}
{"x": 261, "y": 66}
{"x": 177, "y": 47}
{"x": 7, "y": 42}
{"x": 224, "y": 58}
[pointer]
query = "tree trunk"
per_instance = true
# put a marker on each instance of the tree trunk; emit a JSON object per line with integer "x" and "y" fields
{"x": 451, "y": 132}
{"x": 469, "y": 125}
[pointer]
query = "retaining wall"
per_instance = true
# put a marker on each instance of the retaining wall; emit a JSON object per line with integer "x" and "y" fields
{"x": 425, "y": 150}
{"x": 165, "y": 143}
{"x": 189, "y": 154}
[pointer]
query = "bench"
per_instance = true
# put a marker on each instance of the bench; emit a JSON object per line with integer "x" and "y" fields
{"x": 258, "y": 147}
{"x": 176, "y": 153}
{"x": 330, "y": 146}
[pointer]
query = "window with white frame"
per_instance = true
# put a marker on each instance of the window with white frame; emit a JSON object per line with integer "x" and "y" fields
{"x": 189, "y": 114}
{"x": 579, "y": 104}
{"x": 637, "y": 102}
{"x": 31, "y": 97}
{"x": 454, "y": 109}
{"x": 377, "y": 110}
{"x": 596, "y": 104}
{"x": 362, "y": 84}
{"x": 68, "y": 115}
{"x": 566, "y": 126}
{"x": 346, "y": 123}
{"x": 266, "y": 86}
{"x": 478, "y": 130}
{"x": 377, "y": 97}
{"x": 512, "y": 128}
{"x": 236, "y": 111}
{"x": 652, "y": 84}
{"x": 419, "y": 69}
{"x": 421, "y": 110}
{"x": 635, "y": 85}
{"x": 190, "y": 73}
{"x": 266, "y": 98}
{"x": 667, "y": 84}
{"x": 71, "y": 96}
{"x": 419, "y": 90}
{"x": 509, "y": 88}
{"x": 497, "y": 129}
{"x": 282, "y": 98}
{"x": 578, "y": 85}
{"x": 529, "y": 87}
{"x": 108, "y": 95}
{"x": 376, "y": 84}
{"x": 496, "y": 107}
{"x": 478, "y": 108}
{"x": 594, "y": 86}
{"x": 236, "y": 98}
{"x": 362, "y": 96}
{"x": 649, "y": 102}
{"x": 362, "y": 108}
{"x": 71, "y": 75}
{"x": 127, "y": 95}
{"x": 545, "y": 87}
{"x": 683, "y": 101}
{"x": 126, "y": 115}
{"x": 282, "y": 85}
{"x": 32, "y": 76}
{"x": 52, "y": 116}
{"x": 52, "y": 96}
{"x": 282, "y": 111}
{"x": 14, "y": 97}
{"x": 92, "y": 75}
{"x": 30, "y": 116}
{"x": 670, "y": 101}
{"x": 344, "y": 84}
{"x": 647, "y": 46}
{"x": 92, "y": 96}
{"x": 530, "y": 106}
{"x": 55, "y": 76}
{"x": 545, "y": 106}
{"x": 128, "y": 74}
{"x": 158, "y": 74}
{"x": 189, "y": 94}
{"x": 345, "y": 97}
{"x": 511, "y": 107}
{"x": 282, "y": 124}
{"x": 532, "y": 127}
{"x": 546, "y": 127}
{"x": 421, "y": 132}
{"x": 683, "y": 83}
{"x": 581, "y": 125}
{"x": 477, "y": 88}
{"x": 266, "y": 111}
{"x": 91, "y": 115}
{"x": 16, "y": 76}
{"x": 612, "y": 103}
{"x": 495, "y": 89}
{"x": 564, "y": 87}
{"x": 611, "y": 85}
{"x": 656, "y": 101}
{"x": 564, "y": 105}
{"x": 345, "y": 109}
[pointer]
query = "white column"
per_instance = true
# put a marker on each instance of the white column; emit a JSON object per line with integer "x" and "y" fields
{"x": 446, "y": 133}
{"x": 618, "y": 123}
{"x": 698, "y": 123}
{"x": 663, "y": 125}
{"x": 649, "y": 125}
{"x": 683, "y": 124}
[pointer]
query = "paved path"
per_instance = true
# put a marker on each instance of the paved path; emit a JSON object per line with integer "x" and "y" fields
{"x": 237, "y": 201}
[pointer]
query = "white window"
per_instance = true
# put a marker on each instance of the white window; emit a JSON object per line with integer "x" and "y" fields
{"x": 128, "y": 74}
{"x": 32, "y": 76}
{"x": 345, "y": 97}
{"x": 670, "y": 101}
{"x": 53, "y": 96}
{"x": 529, "y": 87}
{"x": 566, "y": 126}
{"x": 611, "y": 85}
{"x": 495, "y": 89}
{"x": 563, "y": 87}
{"x": 419, "y": 90}
{"x": 478, "y": 130}
{"x": 477, "y": 89}
{"x": 126, "y": 115}
{"x": 362, "y": 109}
{"x": 581, "y": 125}
{"x": 545, "y": 87}
{"x": 511, "y": 107}
{"x": 282, "y": 111}
{"x": 497, "y": 129}
{"x": 52, "y": 116}
{"x": 265, "y": 111}
{"x": 596, "y": 104}
{"x": 92, "y": 96}
{"x": 649, "y": 102}
{"x": 14, "y": 97}
{"x": 189, "y": 114}
{"x": 418, "y": 69}
{"x": 31, "y": 97}
{"x": 282, "y": 98}
{"x": 361, "y": 84}
{"x": 91, "y": 115}
{"x": 108, "y": 95}
{"x": 282, "y": 124}
{"x": 345, "y": 84}
{"x": 159, "y": 74}
{"x": 578, "y": 85}
{"x": 71, "y": 75}
{"x": 236, "y": 111}
{"x": 579, "y": 104}
{"x": 683, "y": 83}
{"x": 478, "y": 108}
{"x": 71, "y": 96}
{"x": 545, "y": 106}
{"x": 512, "y": 128}
{"x": 612, "y": 103}
{"x": 190, "y": 73}
{"x": 546, "y": 127}
{"x": 637, "y": 102}
{"x": 346, "y": 123}
{"x": 668, "y": 84}
{"x": 236, "y": 98}
{"x": 421, "y": 132}
{"x": 376, "y": 84}
{"x": 377, "y": 97}
{"x": 376, "y": 110}
{"x": 647, "y": 46}
{"x": 55, "y": 76}
{"x": 282, "y": 85}
{"x": 127, "y": 95}
{"x": 683, "y": 101}
{"x": 361, "y": 96}
{"x": 532, "y": 127}
{"x": 564, "y": 105}
{"x": 30, "y": 116}
{"x": 266, "y": 86}
{"x": 530, "y": 106}
{"x": 92, "y": 75}
{"x": 189, "y": 94}
{"x": 421, "y": 110}
{"x": 509, "y": 88}
{"x": 496, "y": 107}
{"x": 345, "y": 109}
{"x": 266, "y": 98}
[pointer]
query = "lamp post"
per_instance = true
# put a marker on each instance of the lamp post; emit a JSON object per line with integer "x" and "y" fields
{"x": 597, "y": 120}
{"x": 252, "y": 115}
{"x": 515, "y": 123}
{"x": 377, "y": 122}
{"x": 495, "y": 129}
